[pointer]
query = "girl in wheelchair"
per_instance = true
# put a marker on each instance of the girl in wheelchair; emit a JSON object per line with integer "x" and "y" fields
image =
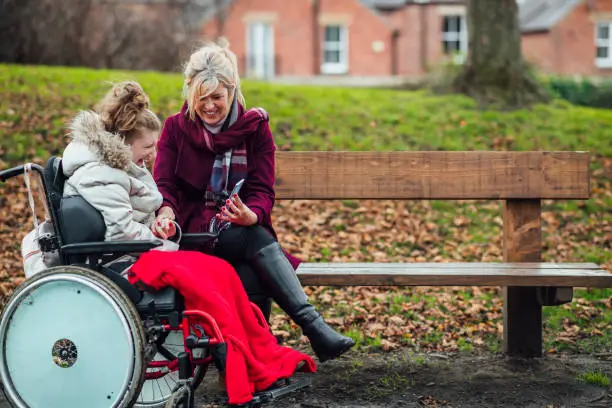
{"x": 105, "y": 162}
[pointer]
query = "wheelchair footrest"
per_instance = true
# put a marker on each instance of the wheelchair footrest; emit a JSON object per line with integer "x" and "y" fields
{"x": 281, "y": 388}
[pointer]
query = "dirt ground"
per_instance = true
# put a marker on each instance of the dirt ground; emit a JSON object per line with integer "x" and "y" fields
{"x": 403, "y": 379}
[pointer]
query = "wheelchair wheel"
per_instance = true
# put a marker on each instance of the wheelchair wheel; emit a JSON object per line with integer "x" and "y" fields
{"x": 155, "y": 393}
{"x": 70, "y": 338}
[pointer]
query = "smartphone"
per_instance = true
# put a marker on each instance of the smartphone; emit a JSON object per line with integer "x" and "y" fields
{"x": 237, "y": 187}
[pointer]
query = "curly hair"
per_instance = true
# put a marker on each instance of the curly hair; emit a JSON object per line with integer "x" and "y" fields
{"x": 124, "y": 110}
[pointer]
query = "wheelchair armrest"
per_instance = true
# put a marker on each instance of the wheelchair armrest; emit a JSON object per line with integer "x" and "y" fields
{"x": 197, "y": 238}
{"x": 110, "y": 247}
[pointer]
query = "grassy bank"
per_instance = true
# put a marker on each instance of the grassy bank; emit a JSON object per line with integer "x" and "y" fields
{"x": 37, "y": 102}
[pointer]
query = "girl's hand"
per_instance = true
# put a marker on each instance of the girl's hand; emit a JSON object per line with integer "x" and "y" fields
{"x": 236, "y": 212}
{"x": 163, "y": 228}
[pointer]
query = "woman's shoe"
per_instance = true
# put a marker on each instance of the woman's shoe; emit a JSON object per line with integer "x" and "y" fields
{"x": 275, "y": 270}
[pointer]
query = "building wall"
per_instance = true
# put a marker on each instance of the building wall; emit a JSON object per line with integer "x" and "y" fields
{"x": 574, "y": 38}
{"x": 567, "y": 49}
{"x": 293, "y": 22}
{"x": 538, "y": 50}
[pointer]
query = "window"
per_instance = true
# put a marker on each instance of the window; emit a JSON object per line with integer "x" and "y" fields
{"x": 335, "y": 50}
{"x": 260, "y": 50}
{"x": 454, "y": 37}
{"x": 603, "y": 44}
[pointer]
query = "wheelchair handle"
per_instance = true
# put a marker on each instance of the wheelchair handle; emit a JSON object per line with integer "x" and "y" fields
{"x": 18, "y": 170}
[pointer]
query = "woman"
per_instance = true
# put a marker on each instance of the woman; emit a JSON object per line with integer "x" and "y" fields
{"x": 203, "y": 151}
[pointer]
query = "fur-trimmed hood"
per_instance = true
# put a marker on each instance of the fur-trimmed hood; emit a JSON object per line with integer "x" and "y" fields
{"x": 92, "y": 143}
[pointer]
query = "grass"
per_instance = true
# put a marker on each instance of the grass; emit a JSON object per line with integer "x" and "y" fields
{"x": 37, "y": 102}
{"x": 593, "y": 324}
{"x": 362, "y": 119}
{"x": 357, "y": 335}
{"x": 389, "y": 384}
{"x": 598, "y": 378}
{"x": 465, "y": 346}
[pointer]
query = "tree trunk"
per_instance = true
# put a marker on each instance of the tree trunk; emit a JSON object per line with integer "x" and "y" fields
{"x": 495, "y": 73}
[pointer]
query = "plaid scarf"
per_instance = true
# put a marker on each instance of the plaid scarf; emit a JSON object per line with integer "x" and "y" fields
{"x": 228, "y": 169}
{"x": 230, "y": 165}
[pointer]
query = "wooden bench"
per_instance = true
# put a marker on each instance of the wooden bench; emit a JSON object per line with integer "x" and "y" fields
{"x": 520, "y": 179}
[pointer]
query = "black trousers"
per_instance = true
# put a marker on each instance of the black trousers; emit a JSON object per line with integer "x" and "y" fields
{"x": 237, "y": 245}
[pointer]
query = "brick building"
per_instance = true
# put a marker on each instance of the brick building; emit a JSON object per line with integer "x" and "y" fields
{"x": 402, "y": 38}
{"x": 568, "y": 37}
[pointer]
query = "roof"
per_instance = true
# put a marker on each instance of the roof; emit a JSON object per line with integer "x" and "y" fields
{"x": 542, "y": 15}
{"x": 534, "y": 15}
{"x": 384, "y": 4}
{"x": 396, "y": 4}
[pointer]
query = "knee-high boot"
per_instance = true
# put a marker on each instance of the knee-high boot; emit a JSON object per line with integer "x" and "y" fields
{"x": 264, "y": 304}
{"x": 275, "y": 270}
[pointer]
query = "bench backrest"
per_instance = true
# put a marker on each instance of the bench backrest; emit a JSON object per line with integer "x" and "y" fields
{"x": 521, "y": 179}
{"x": 432, "y": 175}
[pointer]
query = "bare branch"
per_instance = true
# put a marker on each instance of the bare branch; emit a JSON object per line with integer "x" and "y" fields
{"x": 103, "y": 33}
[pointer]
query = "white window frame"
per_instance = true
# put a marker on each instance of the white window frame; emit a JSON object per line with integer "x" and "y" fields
{"x": 261, "y": 53}
{"x": 342, "y": 46}
{"x": 461, "y": 35}
{"x": 603, "y": 42}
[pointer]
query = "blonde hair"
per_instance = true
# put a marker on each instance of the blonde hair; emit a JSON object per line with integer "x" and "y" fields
{"x": 124, "y": 110}
{"x": 208, "y": 67}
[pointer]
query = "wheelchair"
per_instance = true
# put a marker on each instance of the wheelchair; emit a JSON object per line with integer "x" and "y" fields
{"x": 80, "y": 335}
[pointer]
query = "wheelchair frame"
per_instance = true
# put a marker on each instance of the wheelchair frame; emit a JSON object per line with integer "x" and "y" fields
{"x": 157, "y": 325}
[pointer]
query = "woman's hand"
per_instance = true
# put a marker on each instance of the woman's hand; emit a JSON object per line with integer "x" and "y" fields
{"x": 163, "y": 226}
{"x": 236, "y": 212}
{"x": 166, "y": 212}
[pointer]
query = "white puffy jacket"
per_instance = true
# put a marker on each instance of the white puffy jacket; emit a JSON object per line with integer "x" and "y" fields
{"x": 99, "y": 168}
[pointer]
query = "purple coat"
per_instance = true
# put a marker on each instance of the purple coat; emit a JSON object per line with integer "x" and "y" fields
{"x": 183, "y": 169}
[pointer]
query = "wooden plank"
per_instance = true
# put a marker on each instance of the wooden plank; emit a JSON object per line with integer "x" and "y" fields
{"x": 432, "y": 175}
{"x": 403, "y": 267}
{"x": 522, "y": 233}
{"x": 453, "y": 274}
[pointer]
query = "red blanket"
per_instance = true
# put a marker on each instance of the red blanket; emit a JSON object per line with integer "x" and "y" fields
{"x": 254, "y": 359}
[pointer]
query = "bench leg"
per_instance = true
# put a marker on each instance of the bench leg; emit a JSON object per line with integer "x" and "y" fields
{"x": 522, "y": 322}
{"x": 522, "y": 307}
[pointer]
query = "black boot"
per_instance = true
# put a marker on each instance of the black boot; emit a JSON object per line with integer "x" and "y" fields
{"x": 264, "y": 304}
{"x": 255, "y": 289}
{"x": 285, "y": 288}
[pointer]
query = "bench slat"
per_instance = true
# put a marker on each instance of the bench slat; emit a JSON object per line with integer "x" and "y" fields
{"x": 432, "y": 175}
{"x": 452, "y": 265}
{"x": 454, "y": 274}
